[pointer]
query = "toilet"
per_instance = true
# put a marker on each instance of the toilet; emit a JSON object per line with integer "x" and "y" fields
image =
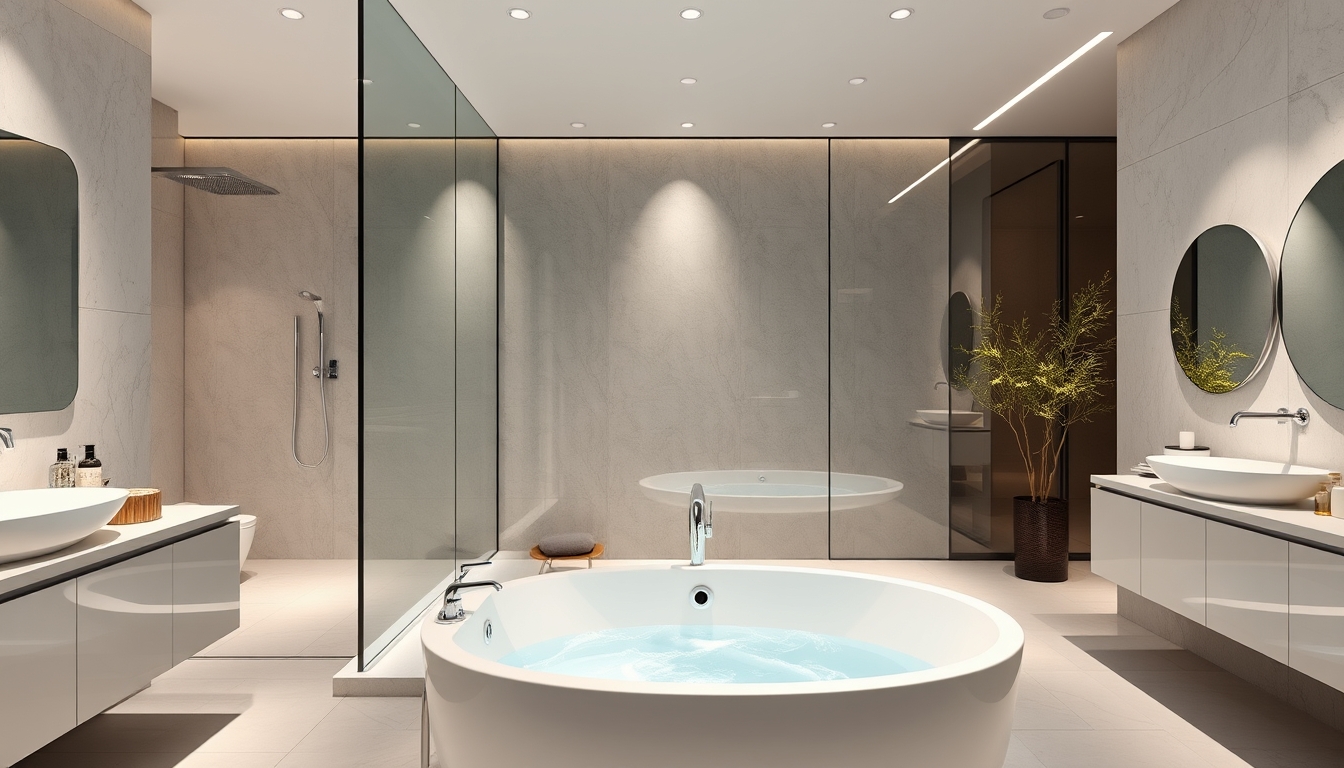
{"x": 247, "y": 530}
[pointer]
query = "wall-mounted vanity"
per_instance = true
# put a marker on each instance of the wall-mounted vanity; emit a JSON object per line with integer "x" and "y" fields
{"x": 86, "y": 627}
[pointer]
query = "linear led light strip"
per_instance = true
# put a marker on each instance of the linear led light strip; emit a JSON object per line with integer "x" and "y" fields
{"x": 1058, "y": 68}
{"x": 935, "y": 169}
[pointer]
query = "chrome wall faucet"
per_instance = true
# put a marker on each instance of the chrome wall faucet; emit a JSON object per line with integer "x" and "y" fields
{"x": 1300, "y": 417}
{"x": 702, "y": 523}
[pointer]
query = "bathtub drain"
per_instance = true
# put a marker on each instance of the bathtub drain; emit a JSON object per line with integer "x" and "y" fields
{"x": 702, "y": 596}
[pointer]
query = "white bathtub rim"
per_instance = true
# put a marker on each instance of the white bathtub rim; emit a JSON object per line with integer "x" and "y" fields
{"x": 437, "y": 640}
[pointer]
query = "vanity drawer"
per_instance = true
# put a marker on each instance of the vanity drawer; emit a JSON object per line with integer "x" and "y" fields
{"x": 1172, "y": 562}
{"x": 1248, "y": 588}
{"x": 205, "y": 590}
{"x": 1316, "y": 614}
{"x": 37, "y": 670}
{"x": 1116, "y": 538}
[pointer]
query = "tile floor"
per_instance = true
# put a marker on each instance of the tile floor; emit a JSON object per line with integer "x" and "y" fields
{"x": 1096, "y": 692}
{"x": 294, "y": 608}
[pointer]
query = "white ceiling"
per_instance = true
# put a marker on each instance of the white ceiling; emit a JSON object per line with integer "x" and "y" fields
{"x": 765, "y": 67}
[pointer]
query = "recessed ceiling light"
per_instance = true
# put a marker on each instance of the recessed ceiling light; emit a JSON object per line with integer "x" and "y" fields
{"x": 578, "y": 125}
{"x": 901, "y": 13}
{"x": 1056, "y": 13}
{"x": 290, "y": 13}
{"x": 1078, "y": 54}
{"x": 691, "y": 14}
{"x": 688, "y": 81}
{"x": 688, "y": 125}
{"x": 857, "y": 80}
{"x": 519, "y": 13}
{"x": 412, "y": 125}
{"x": 828, "y": 125}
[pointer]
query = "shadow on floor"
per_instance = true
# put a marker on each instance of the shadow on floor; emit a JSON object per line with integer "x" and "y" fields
{"x": 139, "y": 740}
{"x": 1258, "y": 728}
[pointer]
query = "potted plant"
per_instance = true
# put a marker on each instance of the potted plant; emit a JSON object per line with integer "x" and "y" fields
{"x": 1040, "y": 383}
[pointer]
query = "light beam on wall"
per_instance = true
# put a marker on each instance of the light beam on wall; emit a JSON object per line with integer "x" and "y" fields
{"x": 1076, "y": 55}
{"x": 934, "y": 170}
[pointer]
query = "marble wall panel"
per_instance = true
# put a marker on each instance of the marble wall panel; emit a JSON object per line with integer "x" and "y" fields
{"x": 1201, "y": 64}
{"x": 168, "y": 331}
{"x": 246, "y": 259}
{"x": 75, "y": 82}
{"x": 1251, "y": 164}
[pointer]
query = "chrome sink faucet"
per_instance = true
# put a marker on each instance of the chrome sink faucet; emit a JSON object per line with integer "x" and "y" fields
{"x": 702, "y": 523}
{"x": 1300, "y": 417}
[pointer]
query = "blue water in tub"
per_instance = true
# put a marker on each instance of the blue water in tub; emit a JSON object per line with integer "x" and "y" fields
{"x": 712, "y": 654}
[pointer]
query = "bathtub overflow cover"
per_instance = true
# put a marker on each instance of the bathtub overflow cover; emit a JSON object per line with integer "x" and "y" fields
{"x": 489, "y": 631}
{"x": 702, "y": 596}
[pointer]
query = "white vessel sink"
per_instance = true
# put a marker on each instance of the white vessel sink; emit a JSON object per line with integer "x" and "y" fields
{"x": 1242, "y": 481}
{"x": 945, "y": 418}
{"x": 773, "y": 490}
{"x": 44, "y": 520}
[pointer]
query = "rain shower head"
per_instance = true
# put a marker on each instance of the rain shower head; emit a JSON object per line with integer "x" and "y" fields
{"x": 216, "y": 181}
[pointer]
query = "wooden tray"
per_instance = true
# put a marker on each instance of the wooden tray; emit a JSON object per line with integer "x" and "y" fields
{"x": 143, "y": 505}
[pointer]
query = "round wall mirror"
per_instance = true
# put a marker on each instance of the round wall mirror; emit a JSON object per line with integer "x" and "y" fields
{"x": 1222, "y": 309}
{"x": 1311, "y": 288}
{"x": 960, "y": 336}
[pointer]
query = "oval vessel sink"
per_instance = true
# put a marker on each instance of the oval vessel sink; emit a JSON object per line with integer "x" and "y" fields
{"x": 44, "y": 520}
{"x": 1241, "y": 481}
{"x": 945, "y": 418}
{"x": 773, "y": 490}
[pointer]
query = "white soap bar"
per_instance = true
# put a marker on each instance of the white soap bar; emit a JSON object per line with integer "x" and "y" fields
{"x": 1187, "y": 440}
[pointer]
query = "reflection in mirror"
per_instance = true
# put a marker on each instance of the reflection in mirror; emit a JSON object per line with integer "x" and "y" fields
{"x": 960, "y": 337}
{"x": 1311, "y": 288}
{"x": 39, "y": 274}
{"x": 1222, "y": 309}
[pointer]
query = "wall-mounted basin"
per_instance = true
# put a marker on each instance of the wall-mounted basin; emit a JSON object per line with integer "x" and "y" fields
{"x": 1241, "y": 481}
{"x": 44, "y": 520}
{"x": 773, "y": 490}
{"x": 946, "y": 418}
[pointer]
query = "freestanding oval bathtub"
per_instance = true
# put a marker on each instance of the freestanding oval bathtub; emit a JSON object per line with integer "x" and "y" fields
{"x": 957, "y": 713}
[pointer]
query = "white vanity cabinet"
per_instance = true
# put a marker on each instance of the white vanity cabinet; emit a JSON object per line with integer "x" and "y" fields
{"x": 1316, "y": 614}
{"x": 1116, "y": 538}
{"x": 205, "y": 590}
{"x": 1247, "y": 574}
{"x": 125, "y": 629}
{"x": 1172, "y": 560}
{"x": 37, "y": 670}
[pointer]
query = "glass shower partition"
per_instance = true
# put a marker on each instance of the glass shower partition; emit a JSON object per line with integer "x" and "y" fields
{"x": 429, "y": 256}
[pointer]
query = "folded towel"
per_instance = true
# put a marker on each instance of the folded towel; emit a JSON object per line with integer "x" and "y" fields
{"x": 567, "y": 544}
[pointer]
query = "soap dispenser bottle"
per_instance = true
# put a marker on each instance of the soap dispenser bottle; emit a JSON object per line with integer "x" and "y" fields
{"x": 62, "y": 474}
{"x": 89, "y": 474}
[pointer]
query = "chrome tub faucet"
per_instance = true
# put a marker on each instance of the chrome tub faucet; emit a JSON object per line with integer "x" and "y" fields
{"x": 701, "y": 523}
{"x": 1300, "y": 417}
{"x": 452, "y": 612}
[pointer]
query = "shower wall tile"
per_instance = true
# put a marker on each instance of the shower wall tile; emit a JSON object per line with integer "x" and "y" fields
{"x": 889, "y": 270}
{"x": 246, "y": 258}
{"x": 664, "y": 309}
{"x": 167, "y": 375}
{"x": 72, "y": 81}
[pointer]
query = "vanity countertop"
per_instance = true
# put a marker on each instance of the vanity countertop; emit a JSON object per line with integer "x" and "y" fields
{"x": 1296, "y": 522}
{"x": 109, "y": 543}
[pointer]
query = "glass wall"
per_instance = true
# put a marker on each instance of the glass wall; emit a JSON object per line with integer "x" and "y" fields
{"x": 1031, "y": 223}
{"x": 428, "y": 292}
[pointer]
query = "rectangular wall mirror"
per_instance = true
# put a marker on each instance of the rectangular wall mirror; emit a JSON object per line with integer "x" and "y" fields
{"x": 39, "y": 276}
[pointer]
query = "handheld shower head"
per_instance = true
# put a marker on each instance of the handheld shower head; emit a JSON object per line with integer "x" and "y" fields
{"x": 313, "y": 297}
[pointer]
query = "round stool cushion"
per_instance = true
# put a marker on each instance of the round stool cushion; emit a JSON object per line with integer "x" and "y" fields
{"x": 567, "y": 544}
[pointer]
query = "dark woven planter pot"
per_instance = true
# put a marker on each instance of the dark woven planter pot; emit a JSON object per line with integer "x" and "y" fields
{"x": 1041, "y": 539}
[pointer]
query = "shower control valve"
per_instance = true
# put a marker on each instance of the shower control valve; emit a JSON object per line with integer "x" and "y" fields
{"x": 332, "y": 371}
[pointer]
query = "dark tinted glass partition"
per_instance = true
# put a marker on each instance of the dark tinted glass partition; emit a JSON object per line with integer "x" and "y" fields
{"x": 1031, "y": 222}
{"x": 428, "y": 306}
